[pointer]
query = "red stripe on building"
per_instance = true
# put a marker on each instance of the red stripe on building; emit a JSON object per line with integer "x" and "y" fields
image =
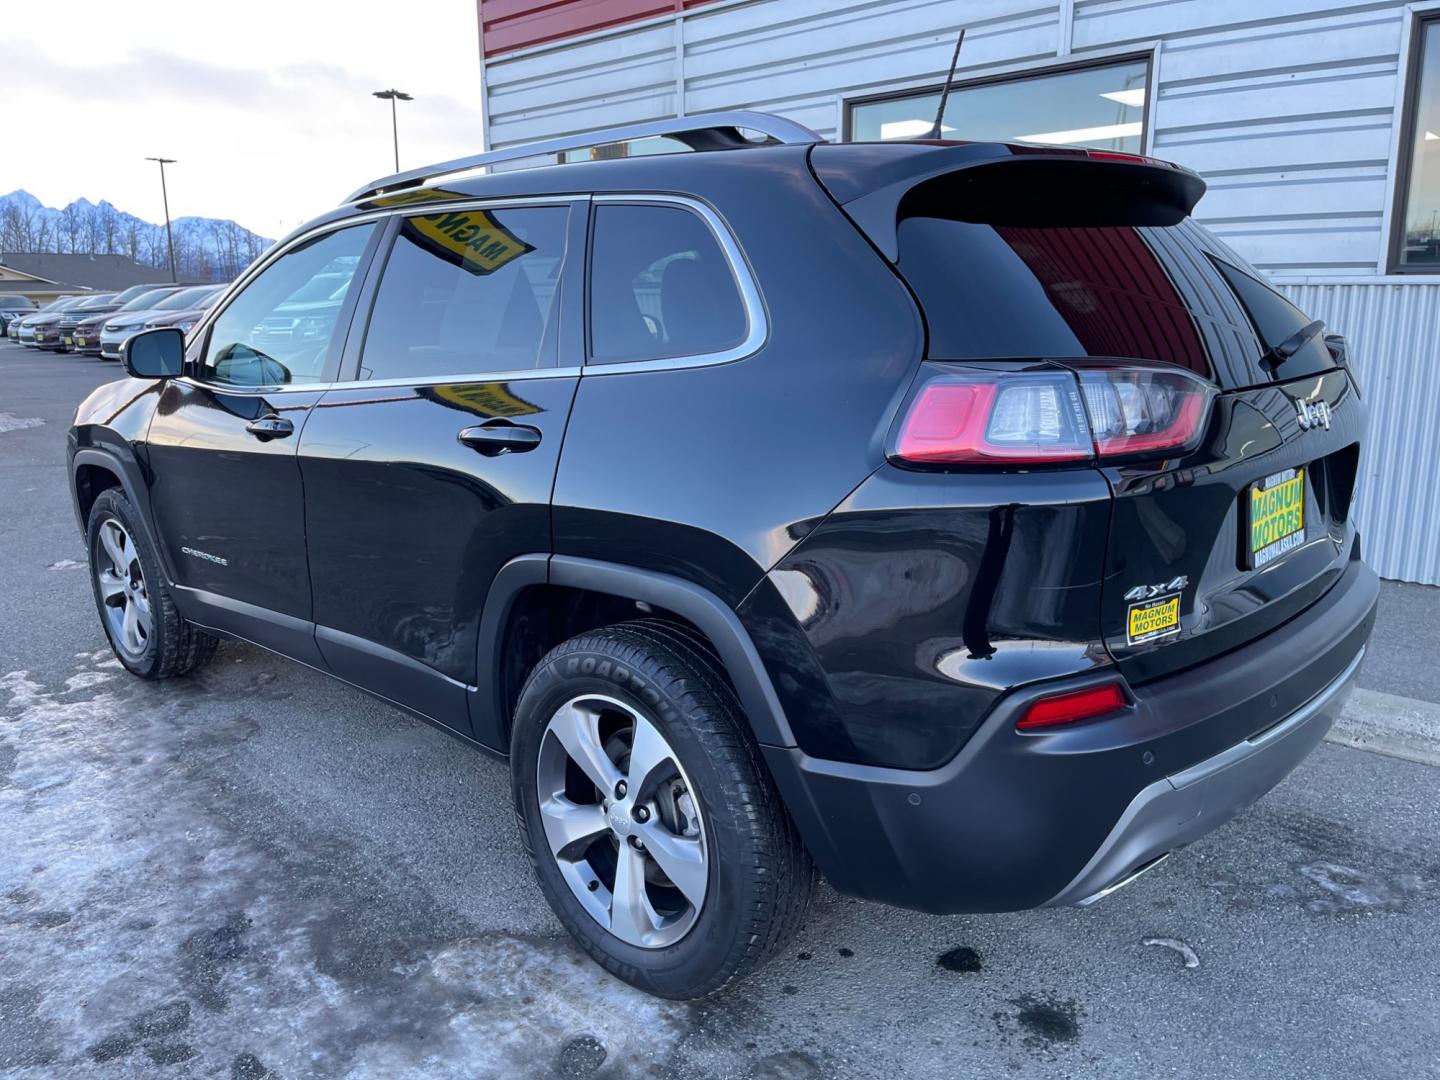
{"x": 507, "y": 25}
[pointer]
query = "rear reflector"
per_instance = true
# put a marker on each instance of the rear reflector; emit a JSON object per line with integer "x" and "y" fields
{"x": 1050, "y": 415}
{"x": 1074, "y": 706}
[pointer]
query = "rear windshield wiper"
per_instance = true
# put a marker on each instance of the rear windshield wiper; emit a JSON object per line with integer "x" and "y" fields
{"x": 1278, "y": 354}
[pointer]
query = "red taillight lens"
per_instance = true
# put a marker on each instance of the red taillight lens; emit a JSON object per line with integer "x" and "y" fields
{"x": 1074, "y": 706}
{"x": 1036, "y": 417}
{"x": 996, "y": 418}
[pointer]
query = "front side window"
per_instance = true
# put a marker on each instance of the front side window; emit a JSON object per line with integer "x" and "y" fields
{"x": 1101, "y": 107}
{"x": 466, "y": 292}
{"x": 279, "y": 329}
{"x": 660, "y": 286}
{"x": 1417, "y": 245}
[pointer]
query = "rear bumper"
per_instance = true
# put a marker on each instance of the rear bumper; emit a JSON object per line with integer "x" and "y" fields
{"x": 1019, "y": 821}
{"x": 1170, "y": 813}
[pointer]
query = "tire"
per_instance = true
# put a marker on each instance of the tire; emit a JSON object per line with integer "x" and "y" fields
{"x": 709, "y": 795}
{"x": 154, "y": 642}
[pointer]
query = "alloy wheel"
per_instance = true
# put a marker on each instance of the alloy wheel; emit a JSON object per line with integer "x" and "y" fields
{"x": 123, "y": 595}
{"x": 622, "y": 821}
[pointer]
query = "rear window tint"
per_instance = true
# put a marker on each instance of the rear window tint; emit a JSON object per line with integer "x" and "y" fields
{"x": 660, "y": 286}
{"x": 1003, "y": 291}
{"x": 1134, "y": 292}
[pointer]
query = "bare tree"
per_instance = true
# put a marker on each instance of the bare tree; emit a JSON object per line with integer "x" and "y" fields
{"x": 13, "y": 235}
{"x": 109, "y": 227}
{"x": 71, "y": 227}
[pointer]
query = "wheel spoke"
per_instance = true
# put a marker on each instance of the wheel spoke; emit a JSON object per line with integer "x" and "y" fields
{"x": 111, "y": 584}
{"x": 632, "y": 918}
{"x": 113, "y": 541}
{"x": 141, "y": 603}
{"x": 648, "y": 752}
{"x": 681, "y": 857}
{"x": 577, "y": 730}
{"x": 130, "y": 628}
{"x": 569, "y": 826}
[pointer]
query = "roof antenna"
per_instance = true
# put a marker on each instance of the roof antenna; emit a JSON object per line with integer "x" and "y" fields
{"x": 934, "y": 132}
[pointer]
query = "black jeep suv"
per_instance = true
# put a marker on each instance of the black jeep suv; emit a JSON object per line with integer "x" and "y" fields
{"x": 961, "y": 520}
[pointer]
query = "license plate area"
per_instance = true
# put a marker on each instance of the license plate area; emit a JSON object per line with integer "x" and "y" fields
{"x": 1274, "y": 517}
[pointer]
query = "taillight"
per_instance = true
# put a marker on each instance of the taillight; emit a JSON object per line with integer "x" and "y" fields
{"x": 1039, "y": 416}
{"x": 1073, "y": 706}
{"x": 985, "y": 417}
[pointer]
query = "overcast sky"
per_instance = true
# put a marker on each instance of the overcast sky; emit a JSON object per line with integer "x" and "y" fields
{"x": 265, "y": 103}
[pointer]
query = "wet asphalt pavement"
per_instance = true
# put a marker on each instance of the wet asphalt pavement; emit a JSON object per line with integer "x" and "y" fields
{"x": 257, "y": 871}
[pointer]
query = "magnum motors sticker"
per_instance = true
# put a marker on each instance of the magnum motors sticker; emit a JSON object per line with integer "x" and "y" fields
{"x": 1151, "y": 619}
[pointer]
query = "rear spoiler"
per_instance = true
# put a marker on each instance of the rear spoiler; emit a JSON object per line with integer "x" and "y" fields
{"x": 878, "y": 184}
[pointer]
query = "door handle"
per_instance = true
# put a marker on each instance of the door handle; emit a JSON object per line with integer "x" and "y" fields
{"x": 500, "y": 437}
{"x": 270, "y": 427}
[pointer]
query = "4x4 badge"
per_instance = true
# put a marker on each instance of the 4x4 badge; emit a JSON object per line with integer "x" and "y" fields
{"x": 1313, "y": 414}
{"x": 1147, "y": 592}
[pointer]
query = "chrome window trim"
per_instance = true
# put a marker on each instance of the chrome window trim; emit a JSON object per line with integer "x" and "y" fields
{"x": 758, "y": 327}
{"x": 757, "y": 323}
{"x": 405, "y": 210}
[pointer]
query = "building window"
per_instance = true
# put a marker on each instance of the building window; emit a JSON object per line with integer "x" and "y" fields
{"x": 1099, "y": 106}
{"x": 1417, "y": 247}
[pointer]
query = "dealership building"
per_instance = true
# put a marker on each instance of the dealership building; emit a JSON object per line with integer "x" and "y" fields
{"x": 1316, "y": 124}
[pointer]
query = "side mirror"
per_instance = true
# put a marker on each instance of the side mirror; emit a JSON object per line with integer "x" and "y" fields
{"x": 155, "y": 354}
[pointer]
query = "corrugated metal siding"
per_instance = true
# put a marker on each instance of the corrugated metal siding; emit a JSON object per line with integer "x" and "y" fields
{"x": 1286, "y": 106}
{"x": 1394, "y": 333}
{"x": 1299, "y": 93}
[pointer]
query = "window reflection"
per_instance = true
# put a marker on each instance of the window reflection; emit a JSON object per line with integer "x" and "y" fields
{"x": 466, "y": 292}
{"x": 1420, "y": 230}
{"x": 1099, "y": 107}
{"x": 280, "y": 327}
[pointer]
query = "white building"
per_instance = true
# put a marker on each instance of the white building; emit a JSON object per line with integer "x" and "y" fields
{"x": 1315, "y": 122}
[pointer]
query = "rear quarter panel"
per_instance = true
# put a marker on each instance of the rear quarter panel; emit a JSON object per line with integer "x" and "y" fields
{"x": 713, "y": 473}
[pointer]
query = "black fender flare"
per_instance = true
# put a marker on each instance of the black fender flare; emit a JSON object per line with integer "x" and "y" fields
{"x": 711, "y": 615}
{"x": 132, "y": 482}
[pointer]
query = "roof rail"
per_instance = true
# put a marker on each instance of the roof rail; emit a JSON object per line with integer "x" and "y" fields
{"x": 705, "y": 131}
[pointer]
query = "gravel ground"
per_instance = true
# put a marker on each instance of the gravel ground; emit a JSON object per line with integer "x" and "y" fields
{"x": 258, "y": 871}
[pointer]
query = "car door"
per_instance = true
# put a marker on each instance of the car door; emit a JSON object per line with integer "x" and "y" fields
{"x": 224, "y": 484}
{"x": 431, "y": 465}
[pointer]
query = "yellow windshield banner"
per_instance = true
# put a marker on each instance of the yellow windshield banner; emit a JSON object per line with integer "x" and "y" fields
{"x": 472, "y": 239}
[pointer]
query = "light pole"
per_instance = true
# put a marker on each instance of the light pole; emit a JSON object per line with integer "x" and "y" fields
{"x": 165, "y": 197}
{"x": 393, "y": 96}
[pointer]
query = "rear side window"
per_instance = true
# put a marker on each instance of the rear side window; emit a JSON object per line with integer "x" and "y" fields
{"x": 660, "y": 286}
{"x": 466, "y": 292}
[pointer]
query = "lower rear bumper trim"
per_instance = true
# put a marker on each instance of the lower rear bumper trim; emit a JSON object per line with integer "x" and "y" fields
{"x": 1184, "y": 806}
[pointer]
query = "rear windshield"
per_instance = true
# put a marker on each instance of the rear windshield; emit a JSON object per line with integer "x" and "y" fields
{"x": 1124, "y": 291}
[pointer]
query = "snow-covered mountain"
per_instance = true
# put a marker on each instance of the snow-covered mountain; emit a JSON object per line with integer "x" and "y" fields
{"x": 205, "y": 248}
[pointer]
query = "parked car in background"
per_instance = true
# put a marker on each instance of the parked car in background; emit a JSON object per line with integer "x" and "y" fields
{"x": 16, "y": 329}
{"x": 184, "y": 320}
{"x": 12, "y": 306}
{"x": 100, "y": 304}
{"x": 87, "y": 333}
{"x": 122, "y": 326}
{"x": 46, "y": 317}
